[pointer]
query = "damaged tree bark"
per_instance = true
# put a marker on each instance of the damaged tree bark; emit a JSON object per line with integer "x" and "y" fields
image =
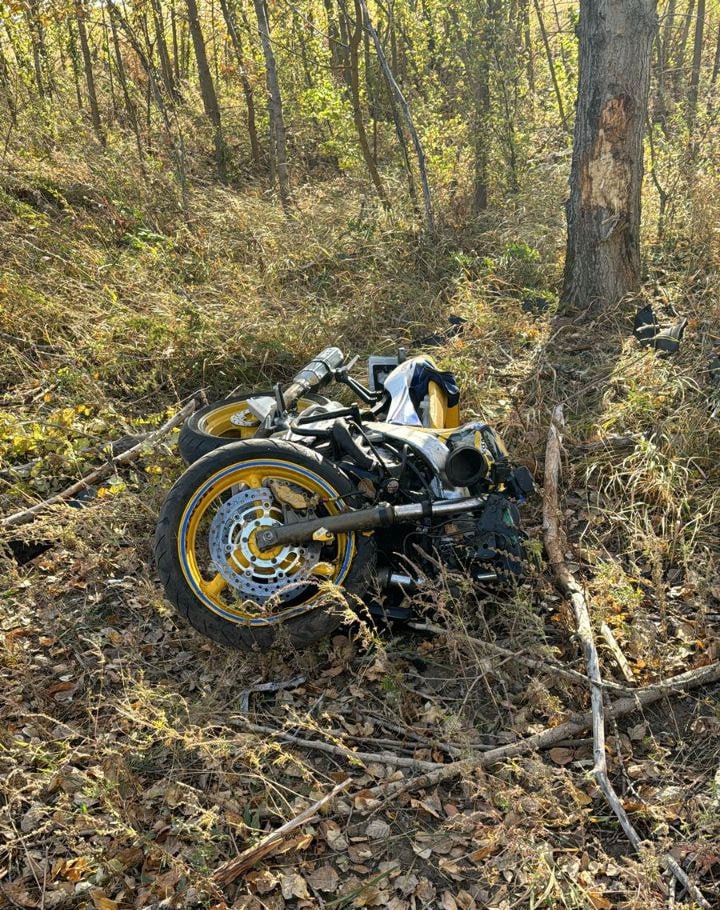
{"x": 603, "y": 212}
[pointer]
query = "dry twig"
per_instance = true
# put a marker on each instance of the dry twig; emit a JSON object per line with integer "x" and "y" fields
{"x": 387, "y": 758}
{"x": 536, "y": 663}
{"x": 233, "y": 868}
{"x": 569, "y": 585}
{"x": 550, "y": 736}
{"x": 616, "y": 652}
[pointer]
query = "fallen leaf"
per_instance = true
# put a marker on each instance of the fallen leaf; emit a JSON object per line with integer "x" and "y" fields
{"x": 561, "y": 756}
{"x": 102, "y": 901}
{"x": 292, "y": 884}
{"x": 333, "y": 835}
{"x": 324, "y": 878}
{"x": 32, "y": 819}
{"x": 377, "y": 829}
{"x": 262, "y": 882}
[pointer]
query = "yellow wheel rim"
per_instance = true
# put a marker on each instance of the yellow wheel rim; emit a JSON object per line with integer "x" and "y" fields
{"x": 282, "y": 568}
{"x": 235, "y": 420}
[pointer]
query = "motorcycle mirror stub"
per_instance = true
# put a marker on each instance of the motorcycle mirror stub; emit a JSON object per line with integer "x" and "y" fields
{"x": 261, "y": 406}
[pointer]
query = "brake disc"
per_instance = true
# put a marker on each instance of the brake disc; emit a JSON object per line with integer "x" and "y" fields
{"x": 243, "y": 418}
{"x": 255, "y": 574}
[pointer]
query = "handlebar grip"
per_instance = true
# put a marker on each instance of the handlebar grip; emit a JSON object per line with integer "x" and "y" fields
{"x": 314, "y": 375}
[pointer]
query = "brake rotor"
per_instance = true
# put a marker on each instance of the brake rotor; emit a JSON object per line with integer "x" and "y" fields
{"x": 256, "y": 574}
{"x": 244, "y": 417}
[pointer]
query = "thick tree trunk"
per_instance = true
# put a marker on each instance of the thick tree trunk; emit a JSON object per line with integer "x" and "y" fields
{"x": 207, "y": 88}
{"x": 603, "y": 212}
{"x": 277, "y": 124}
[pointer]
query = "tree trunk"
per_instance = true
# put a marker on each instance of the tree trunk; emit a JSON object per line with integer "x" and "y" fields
{"x": 679, "y": 64}
{"x": 474, "y": 51}
{"x": 551, "y": 64}
{"x": 236, "y": 41}
{"x": 712, "y": 93}
{"x": 277, "y": 124}
{"x": 207, "y": 89}
{"x": 176, "y": 141}
{"x": 80, "y": 14}
{"x": 696, "y": 64}
{"x": 130, "y": 106}
{"x": 175, "y": 42}
{"x": 166, "y": 69}
{"x": 108, "y": 62}
{"x": 603, "y": 212}
{"x": 32, "y": 15}
{"x": 74, "y": 64}
{"x": 6, "y": 85}
{"x": 480, "y": 125}
{"x": 407, "y": 116}
{"x": 528, "y": 47}
{"x": 353, "y": 80}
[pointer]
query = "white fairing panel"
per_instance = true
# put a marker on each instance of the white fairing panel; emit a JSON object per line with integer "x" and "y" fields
{"x": 398, "y": 384}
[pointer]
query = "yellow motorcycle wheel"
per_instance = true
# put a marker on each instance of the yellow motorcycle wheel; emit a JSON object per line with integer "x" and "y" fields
{"x": 227, "y": 421}
{"x": 215, "y": 574}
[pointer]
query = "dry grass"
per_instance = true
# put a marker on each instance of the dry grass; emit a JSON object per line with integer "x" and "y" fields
{"x": 128, "y": 772}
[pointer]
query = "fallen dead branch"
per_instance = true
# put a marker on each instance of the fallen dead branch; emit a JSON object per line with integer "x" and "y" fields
{"x": 26, "y": 515}
{"x": 569, "y": 585}
{"x": 551, "y": 736}
{"x": 528, "y": 660}
{"x": 388, "y": 758}
{"x": 233, "y": 868}
{"x": 276, "y": 686}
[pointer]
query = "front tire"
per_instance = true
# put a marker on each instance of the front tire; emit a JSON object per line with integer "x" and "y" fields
{"x": 229, "y": 420}
{"x": 212, "y": 606}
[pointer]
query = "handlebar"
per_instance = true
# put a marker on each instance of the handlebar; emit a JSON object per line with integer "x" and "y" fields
{"x": 314, "y": 375}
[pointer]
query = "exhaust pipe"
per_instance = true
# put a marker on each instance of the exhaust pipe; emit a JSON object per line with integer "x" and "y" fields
{"x": 383, "y": 516}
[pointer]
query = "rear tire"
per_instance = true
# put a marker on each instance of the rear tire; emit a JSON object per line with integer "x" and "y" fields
{"x": 300, "y": 631}
{"x": 196, "y": 439}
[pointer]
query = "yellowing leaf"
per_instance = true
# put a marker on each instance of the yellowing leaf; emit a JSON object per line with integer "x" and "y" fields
{"x": 102, "y": 901}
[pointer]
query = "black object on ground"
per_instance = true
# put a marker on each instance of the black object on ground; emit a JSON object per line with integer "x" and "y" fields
{"x": 649, "y": 333}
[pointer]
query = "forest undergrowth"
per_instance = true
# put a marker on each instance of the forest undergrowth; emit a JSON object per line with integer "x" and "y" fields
{"x": 136, "y": 757}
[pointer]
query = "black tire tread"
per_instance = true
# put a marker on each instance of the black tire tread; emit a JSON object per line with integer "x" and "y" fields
{"x": 193, "y": 442}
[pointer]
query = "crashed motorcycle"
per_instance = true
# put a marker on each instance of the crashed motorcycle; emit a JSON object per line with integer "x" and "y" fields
{"x": 295, "y": 506}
